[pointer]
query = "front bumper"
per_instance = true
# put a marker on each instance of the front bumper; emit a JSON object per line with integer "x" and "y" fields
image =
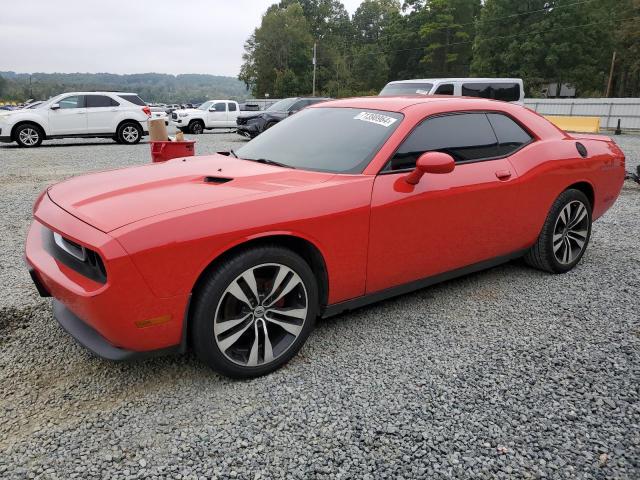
{"x": 250, "y": 130}
{"x": 122, "y": 312}
{"x": 96, "y": 343}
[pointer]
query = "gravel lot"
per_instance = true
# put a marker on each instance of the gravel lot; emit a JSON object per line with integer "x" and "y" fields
{"x": 509, "y": 373}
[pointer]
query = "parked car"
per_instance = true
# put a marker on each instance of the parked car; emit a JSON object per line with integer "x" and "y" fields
{"x": 343, "y": 204}
{"x": 505, "y": 89}
{"x": 211, "y": 114}
{"x": 253, "y": 124}
{"x": 159, "y": 112}
{"x": 121, "y": 116}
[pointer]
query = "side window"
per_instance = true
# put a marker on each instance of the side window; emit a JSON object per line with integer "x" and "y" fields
{"x": 445, "y": 89}
{"x": 507, "y": 92}
{"x": 232, "y": 107}
{"x": 220, "y": 107}
{"x": 299, "y": 105}
{"x": 466, "y": 137}
{"x": 96, "y": 101}
{"x": 77, "y": 101}
{"x": 511, "y": 136}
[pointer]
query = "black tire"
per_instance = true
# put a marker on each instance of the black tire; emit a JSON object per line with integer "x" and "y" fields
{"x": 196, "y": 127}
{"x": 211, "y": 296}
{"x": 129, "y": 133}
{"x": 542, "y": 255}
{"x": 28, "y": 135}
{"x": 268, "y": 126}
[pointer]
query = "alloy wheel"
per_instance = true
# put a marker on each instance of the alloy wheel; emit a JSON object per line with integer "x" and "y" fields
{"x": 570, "y": 232}
{"x": 29, "y": 136}
{"x": 260, "y": 314}
{"x": 130, "y": 133}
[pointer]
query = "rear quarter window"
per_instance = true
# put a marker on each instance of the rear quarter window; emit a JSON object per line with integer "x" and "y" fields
{"x": 511, "y": 136}
{"x": 135, "y": 99}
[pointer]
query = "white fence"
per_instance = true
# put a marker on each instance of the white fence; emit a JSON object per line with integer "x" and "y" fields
{"x": 608, "y": 109}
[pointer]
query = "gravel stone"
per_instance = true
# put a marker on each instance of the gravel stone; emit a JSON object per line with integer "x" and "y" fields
{"x": 507, "y": 373}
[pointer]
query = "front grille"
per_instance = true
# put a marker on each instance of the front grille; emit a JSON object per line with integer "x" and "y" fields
{"x": 75, "y": 256}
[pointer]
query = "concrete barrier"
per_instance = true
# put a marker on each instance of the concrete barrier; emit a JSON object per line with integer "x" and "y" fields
{"x": 575, "y": 124}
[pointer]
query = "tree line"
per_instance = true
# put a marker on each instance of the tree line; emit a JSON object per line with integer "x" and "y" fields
{"x": 152, "y": 87}
{"x": 542, "y": 41}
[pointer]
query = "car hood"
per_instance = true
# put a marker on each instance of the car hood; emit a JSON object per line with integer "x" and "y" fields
{"x": 188, "y": 111}
{"x": 113, "y": 199}
{"x": 253, "y": 114}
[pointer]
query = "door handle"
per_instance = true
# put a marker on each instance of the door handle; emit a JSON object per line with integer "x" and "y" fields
{"x": 503, "y": 174}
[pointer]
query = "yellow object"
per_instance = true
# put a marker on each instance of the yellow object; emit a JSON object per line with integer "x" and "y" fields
{"x": 575, "y": 124}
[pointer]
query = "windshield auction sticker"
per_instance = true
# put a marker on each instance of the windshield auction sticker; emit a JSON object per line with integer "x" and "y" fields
{"x": 376, "y": 118}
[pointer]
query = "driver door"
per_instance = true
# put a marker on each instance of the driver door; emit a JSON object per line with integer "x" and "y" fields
{"x": 446, "y": 221}
{"x": 70, "y": 118}
{"x": 217, "y": 115}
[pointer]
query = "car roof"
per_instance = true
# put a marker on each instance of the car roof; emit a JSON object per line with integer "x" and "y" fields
{"x": 399, "y": 103}
{"x": 99, "y": 92}
{"x": 458, "y": 79}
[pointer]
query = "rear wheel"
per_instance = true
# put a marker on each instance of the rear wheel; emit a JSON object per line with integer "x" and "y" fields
{"x": 254, "y": 312}
{"x": 129, "y": 133}
{"x": 565, "y": 234}
{"x": 196, "y": 127}
{"x": 28, "y": 135}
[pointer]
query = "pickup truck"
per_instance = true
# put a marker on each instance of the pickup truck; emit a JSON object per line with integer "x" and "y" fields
{"x": 211, "y": 114}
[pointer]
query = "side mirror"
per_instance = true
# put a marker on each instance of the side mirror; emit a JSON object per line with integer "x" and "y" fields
{"x": 55, "y": 106}
{"x": 431, "y": 162}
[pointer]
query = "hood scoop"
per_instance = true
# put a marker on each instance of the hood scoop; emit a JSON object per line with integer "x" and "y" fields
{"x": 216, "y": 180}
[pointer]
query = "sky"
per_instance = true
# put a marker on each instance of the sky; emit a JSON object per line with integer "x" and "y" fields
{"x": 129, "y": 36}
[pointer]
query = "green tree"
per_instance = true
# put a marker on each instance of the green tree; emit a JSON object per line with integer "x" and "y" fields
{"x": 447, "y": 27}
{"x": 279, "y": 48}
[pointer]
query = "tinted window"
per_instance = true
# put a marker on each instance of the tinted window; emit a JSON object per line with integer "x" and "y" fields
{"x": 446, "y": 89}
{"x": 299, "y": 105}
{"x": 282, "y": 105}
{"x": 511, "y": 136}
{"x": 412, "y": 88}
{"x": 341, "y": 140}
{"x": 77, "y": 101}
{"x": 94, "y": 101}
{"x": 220, "y": 107}
{"x": 466, "y": 137}
{"x": 135, "y": 99}
{"x": 232, "y": 107}
{"x": 507, "y": 92}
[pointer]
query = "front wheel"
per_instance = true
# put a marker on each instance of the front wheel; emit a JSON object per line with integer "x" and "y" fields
{"x": 565, "y": 234}
{"x": 28, "y": 135}
{"x": 254, "y": 312}
{"x": 129, "y": 133}
{"x": 196, "y": 127}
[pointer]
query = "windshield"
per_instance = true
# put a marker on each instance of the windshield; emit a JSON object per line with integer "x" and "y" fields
{"x": 412, "y": 88}
{"x": 205, "y": 105}
{"x": 282, "y": 105}
{"x": 338, "y": 140}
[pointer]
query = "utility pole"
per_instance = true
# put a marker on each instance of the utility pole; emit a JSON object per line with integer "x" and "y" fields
{"x": 613, "y": 61}
{"x": 315, "y": 45}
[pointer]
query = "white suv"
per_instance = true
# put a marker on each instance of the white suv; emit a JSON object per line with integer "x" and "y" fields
{"x": 211, "y": 114}
{"x": 121, "y": 116}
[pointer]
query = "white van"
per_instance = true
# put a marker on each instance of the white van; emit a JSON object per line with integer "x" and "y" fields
{"x": 505, "y": 89}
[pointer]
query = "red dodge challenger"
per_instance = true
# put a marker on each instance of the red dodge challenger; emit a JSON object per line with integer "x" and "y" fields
{"x": 345, "y": 203}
